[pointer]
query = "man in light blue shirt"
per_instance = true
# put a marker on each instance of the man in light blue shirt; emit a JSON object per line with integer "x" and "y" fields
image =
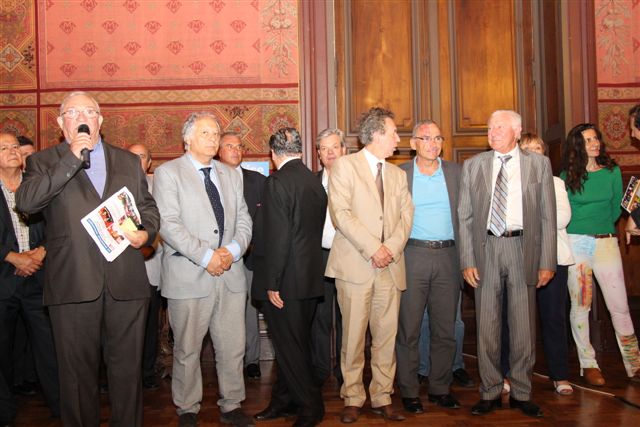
{"x": 433, "y": 274}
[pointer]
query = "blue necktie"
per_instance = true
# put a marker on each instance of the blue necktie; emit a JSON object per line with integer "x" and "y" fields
{"x": 214, "y": 198}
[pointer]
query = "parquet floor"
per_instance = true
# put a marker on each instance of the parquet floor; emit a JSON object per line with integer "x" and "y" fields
{"x": 585, "y": 408}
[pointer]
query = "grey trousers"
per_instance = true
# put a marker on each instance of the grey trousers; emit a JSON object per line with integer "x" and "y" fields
{"x": 504, "y": 272}
{"x": 433, "y": 280}
{"x": 222, "y": 314}
{"x": 252, "y": 347}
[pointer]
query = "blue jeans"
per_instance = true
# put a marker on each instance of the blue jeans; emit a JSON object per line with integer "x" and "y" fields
{"x": 425, "y": 339}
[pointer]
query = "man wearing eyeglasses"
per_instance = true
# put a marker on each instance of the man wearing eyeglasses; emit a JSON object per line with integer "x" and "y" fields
{"x": 92, "y": 302}
{"x": 206, "y": 228}
{"x": 230, "y": 153}
{"x": 433, "y": 274}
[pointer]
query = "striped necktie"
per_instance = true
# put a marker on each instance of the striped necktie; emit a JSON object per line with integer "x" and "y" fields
{"x": 498, "y": 224}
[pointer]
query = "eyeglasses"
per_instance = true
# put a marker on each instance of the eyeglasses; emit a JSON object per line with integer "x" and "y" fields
{"x": 234, "y": 147}
{"x": 428, "y": 138}
{"x": 89, "y": 113}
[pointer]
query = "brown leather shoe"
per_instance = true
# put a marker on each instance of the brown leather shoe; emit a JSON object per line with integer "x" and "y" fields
{"x": 593, "y": 376}
{"x": 350, "y": 414}
{"x": 388, "y": 413}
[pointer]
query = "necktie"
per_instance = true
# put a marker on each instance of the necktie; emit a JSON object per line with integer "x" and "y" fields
{"x": 498, "y": 223}
{"x": 380, "y": 192}
{"x": 214, "y": 198}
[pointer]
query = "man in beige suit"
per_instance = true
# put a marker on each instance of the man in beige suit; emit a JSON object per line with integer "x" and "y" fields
{"x": 371, "y": 208}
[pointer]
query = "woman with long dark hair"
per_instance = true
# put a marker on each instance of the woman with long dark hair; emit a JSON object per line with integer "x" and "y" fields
{"x": 594, "y": 186}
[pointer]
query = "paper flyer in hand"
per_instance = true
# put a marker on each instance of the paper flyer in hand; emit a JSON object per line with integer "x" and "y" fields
{"x": 105, "y": 224}
{"x": 631, "y": 197}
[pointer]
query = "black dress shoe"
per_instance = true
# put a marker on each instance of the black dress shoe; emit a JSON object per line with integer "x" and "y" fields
{"x": 188, "y": 419}
{"x": 444, "y": 400}
{"x": 413, "y": 405}
{"x": 237, "y": 418}
{"x": 253, "y": 371}
{"x": 271, "y": 413}
{"x": 462, "y": 378}
{"x": 527, "y": 407}
{"x": 483, "y": 407}
{"x": 150, "y": 383}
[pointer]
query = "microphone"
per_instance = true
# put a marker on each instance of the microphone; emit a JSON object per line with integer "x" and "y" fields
{"x": 84, "y": 153}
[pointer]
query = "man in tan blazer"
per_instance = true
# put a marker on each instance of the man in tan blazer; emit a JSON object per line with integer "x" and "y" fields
{"x": 371, "y": 208}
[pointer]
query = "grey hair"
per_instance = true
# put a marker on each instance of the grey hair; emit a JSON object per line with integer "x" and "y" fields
{"x": 516, "y": 119}
{"x": 77, "y": 93}
{"x": 327, "y": 133}
{"x": 286, "y": 141}
{"x": 371, "y": 122}
{"x": 420, "y": 124}
{"x": 187, "y": 128}
{"x": 230, "y": 133}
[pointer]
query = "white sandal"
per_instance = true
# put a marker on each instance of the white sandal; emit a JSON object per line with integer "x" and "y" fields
{"x": 563, "y": 389}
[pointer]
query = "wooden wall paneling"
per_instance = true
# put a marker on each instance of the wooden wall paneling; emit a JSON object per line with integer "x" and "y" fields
{"x": 485, "y": 62}
{"x": 551, "y": 105}
{"x": 315, "y": 86}
{"x": 579, "y": 54}
{"x": 375, "y": 63}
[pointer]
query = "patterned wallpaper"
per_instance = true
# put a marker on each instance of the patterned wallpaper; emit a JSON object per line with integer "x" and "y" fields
{"x": 618, "y": 62}
{"x": 150, "y": 63}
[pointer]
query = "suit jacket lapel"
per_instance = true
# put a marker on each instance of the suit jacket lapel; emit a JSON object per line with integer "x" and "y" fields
{"x": 364, "y": 171}
{"x": 449, "y": 182}
{"x": 5, "y": 215}
{"x": 410, "y": 172}
{"x": 525, "y": 169}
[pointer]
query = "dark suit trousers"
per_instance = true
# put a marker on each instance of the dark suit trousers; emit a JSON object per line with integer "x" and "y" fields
{"x": 27, "y": 302}
{"x": 290, "y": 329}
{"x": 322, "y": 331}
{"x": 77, "y": 329}
{"x": 433, "y": 281}
{"x": 150, "y": 352}
{"x": 552, "y": 308}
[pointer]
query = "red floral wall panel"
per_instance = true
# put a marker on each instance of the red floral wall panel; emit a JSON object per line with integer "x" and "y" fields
{"x": 150, "y": 63}
{"x": 618, "y": 62}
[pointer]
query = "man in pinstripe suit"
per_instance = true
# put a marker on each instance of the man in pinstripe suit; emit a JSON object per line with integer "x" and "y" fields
{"x": 507, "y": 215}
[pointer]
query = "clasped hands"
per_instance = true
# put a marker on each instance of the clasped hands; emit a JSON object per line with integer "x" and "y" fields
{"x": 220, "y": 262}
{"x": 382, "y": 257}
{"x": 28, "y": 262}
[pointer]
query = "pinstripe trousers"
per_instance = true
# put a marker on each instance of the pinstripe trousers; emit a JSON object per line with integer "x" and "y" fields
{"x": 504, "y": 272}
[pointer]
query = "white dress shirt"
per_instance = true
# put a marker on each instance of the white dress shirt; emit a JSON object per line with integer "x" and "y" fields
{"x": 329, "y": 231}
{"x": 514, "y": 186}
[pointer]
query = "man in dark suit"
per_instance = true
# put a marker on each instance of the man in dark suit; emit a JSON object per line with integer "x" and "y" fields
{"x": 91, "y": 301}
{"x": 433, "y": 272}
{"x": 331, "y": 146}
{"x": 21, "y": 255}
{"x": 288, "y": 275}
{"x": 230, "y": 153}
{"x": 507, "y": 244}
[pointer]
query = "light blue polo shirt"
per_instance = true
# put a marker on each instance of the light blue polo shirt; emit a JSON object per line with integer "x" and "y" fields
{"x": 432, "y": 215}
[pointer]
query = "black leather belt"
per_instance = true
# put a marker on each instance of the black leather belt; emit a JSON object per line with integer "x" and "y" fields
{"x": 604, "y": 236}
{"x": 508, "y": 233}
{"x": 431, "y": 244}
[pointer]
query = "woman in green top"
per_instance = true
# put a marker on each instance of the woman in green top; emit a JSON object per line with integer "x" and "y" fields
{"x": 594, "y": 186}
